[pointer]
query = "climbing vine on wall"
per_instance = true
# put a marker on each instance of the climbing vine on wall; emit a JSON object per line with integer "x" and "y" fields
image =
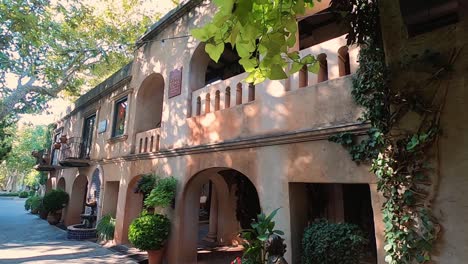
{"x": 402, "y": 106}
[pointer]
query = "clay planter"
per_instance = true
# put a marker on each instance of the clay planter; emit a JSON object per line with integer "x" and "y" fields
{"x": 54, "y": 217}
{"x": 43, "y": 214}
{"x": 155, "y": 256}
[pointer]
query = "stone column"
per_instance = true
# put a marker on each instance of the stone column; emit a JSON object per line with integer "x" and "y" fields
{"x": 213, "y": 228}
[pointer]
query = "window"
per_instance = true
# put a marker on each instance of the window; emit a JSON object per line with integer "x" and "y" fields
{"x": 88, "y": 130}
{"x": 119, "y": 117}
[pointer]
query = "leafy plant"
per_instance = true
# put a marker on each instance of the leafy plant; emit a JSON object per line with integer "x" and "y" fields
{"x": 35, "y": 204}
{"x": 330, "y": 243}
{"x": 11, "y": 194}
{"x": 149, "y": 231}
{"x": 27, "y": 204}
{"x": 256, "y": 239}
{"x": 105, "y": 228}
{"x": 23, "y": 194}
{"x": 146, "y": 183}
{"x": 55, "y": 200}
{"x": 163, "y": 193}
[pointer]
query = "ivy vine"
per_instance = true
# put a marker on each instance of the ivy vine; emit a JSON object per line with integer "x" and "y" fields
{"x": 397, "y": 150}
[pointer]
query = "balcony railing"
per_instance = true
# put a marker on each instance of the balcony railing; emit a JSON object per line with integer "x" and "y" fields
{"x": 71, "y": 153}
{"x": 42, "y": 160}
{"x": 148, "y": 141}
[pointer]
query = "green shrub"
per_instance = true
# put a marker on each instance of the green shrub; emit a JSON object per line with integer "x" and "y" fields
{"x": 149, "y": 232}
{"x": 55, "y": 200}
{"x": 32, "y": 192}
{"x": 163, "y": 193}
{"x": 105, "y": 228}
{"x": 146, "y": 183}
{"x": 330, "y": 243}
{"x": 23, "y": 194}
{"x": 36, "y": 203}
{"x": 10, "y": 194}
{"x": 27, "y": 204}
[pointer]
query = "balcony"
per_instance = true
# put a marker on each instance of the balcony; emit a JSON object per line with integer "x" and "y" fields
{"x": 148, "y": 141}
{"x": 72, "y": 153}
{"x": 42, "y": 160}
{"x": 231, "y": 109}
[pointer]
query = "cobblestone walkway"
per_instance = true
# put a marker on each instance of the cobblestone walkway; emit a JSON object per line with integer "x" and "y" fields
{"x": 25, "y": 238}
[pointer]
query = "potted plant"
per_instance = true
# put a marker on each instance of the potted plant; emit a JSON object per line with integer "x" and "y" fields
{"x": 54, "y": 201}
{"x": 42, "y": 211}
{"x": 35, "y": 204}
{"x": 150, "y": 231}
{"x": 105, "y": 228}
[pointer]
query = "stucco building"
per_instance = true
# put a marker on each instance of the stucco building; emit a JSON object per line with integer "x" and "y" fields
{"x": 240, "y": 148}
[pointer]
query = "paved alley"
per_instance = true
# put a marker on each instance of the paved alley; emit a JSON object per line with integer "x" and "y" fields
{"x": 25, "y": 238}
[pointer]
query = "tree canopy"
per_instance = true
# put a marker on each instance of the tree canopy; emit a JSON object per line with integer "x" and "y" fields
{"x": 52, "y": 47}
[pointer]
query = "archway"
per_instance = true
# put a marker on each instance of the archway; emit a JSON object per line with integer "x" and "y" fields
{"x": 77, "y": 200}
{"x": 95, "y": 189}
{"x": 234, "y": 203}
{"x": 61, "y": 184}
{"x": 149, "y": 103}
{"x": 133, "y": 207}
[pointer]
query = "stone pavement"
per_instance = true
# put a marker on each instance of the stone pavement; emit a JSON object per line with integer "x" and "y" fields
{"x": 25, "y": 238}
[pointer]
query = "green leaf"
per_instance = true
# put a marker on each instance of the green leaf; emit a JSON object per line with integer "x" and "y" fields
{"x": 214, "y": 51}
{"x": 295, "y": 67}
{"x": 314, "y": 67}
{"x": 277, "y": 72}
{"x": 248, "y": 64}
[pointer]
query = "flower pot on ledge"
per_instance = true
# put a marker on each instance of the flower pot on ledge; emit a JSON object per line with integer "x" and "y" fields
{"x": 155, "y": 256}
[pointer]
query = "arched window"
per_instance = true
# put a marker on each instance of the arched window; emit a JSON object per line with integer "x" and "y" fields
{"x": 198, "y": 106}
{"x": 251, "y": 92}
{"x": 227, "y": 98}
{"x": 303, "y": 77}
{"x": 239, "y": 94}
{"x": 217, "y": 98}
{"x": 149, "y": 103}
{"x": 323, "y": 70}
{"x": 207, "y": 103}
{"x": 344, "y": 66}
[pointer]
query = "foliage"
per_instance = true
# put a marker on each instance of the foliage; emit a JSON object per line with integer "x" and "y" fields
{"x": 163, "y": 193}
{"x": 10, "y": 194}
{"x": 35, "y": 203}
{"x": 55, "y": 200}
{"x": 329, "y": 243}
{"x": 23, "y": 194}
{"x": 19, "y": 162}
{"x": 262, "y": 32}
{"x": 105, "y": 228}
{"x": 149, "y": 232}
{"x": 27, "y": 203}
{"x": 255, "y": 247}
{"x": 146, "y": 183}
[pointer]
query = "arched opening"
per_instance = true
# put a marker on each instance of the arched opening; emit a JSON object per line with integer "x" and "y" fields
{"x": 207, "y": 103}
{"x": 251, "y": 92}
{"x": 227, "y": 98}
{"x": 303, "y": 77}
{"x": 94, "y": 192}
{"x": 344, "y": 65}
{"x": 217, "y": 204}
{"x": 133, "y": 207}
{"x": 61, "y": 184}
{"x": 217, "y": 100}
{"x": 239, "y": 94}
{"x": 76, "y": 205}
{"x": 149, "y": 103}
{"x": 323, "y": 70}
{"x": 198, "y": 112}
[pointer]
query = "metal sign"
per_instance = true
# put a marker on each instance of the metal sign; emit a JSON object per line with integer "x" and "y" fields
{"x": 175, "y": 82}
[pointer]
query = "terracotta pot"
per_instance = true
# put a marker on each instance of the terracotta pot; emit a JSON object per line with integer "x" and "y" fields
{"x": 54, "y": 217}
{"x": 43, "y": 214}
{"x": 57, "y": 145}
{"x": 155, "y": 256}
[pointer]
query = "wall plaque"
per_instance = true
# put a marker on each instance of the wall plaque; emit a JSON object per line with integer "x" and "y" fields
{"x": 175, "y": 82}
{"x": 102, "y": 126}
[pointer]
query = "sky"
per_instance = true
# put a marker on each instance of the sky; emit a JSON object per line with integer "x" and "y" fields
{"x": 57, "y": 107}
